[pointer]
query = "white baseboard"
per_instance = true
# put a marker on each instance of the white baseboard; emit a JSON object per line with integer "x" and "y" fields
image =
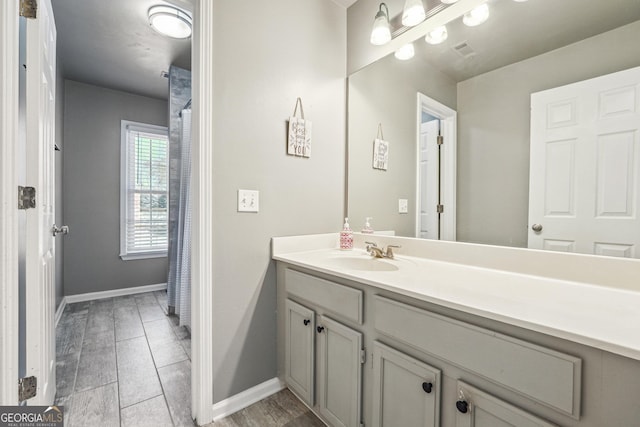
{"x": 69, "y": 299}
{"x": 60, "y": 310}
{"x": 248, "y": 397}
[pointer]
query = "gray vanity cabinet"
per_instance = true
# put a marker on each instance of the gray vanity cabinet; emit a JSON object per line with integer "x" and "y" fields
{"x": 476, "y": 408}
{"x": 300, "y": 350}
{"x": 406, "y": 391}
{"x": 340, "y": 360}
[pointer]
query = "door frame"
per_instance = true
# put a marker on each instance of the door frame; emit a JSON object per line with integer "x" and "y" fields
{"x": 448, "y": 127}
{"x": 9, "y": 78}
{"x": 202, "y": 250}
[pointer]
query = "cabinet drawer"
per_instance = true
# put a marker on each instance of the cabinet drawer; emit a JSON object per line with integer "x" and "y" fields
{"x": 546, "y": 376}
{"x": 480, "y": 409}
{"x": 339, "y": 299}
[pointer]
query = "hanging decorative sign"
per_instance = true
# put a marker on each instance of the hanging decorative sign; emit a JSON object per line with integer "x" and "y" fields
{"x": 380, "y": 151}
{"x": 299, "y": 138}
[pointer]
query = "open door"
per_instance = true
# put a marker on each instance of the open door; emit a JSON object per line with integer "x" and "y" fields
{"x": 40, "y": 248}
{"x": 429, "y": 180}
{"x": 584, "y": 184}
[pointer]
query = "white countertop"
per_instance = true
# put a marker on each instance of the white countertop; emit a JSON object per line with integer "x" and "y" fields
{"x": 604, "y": 317}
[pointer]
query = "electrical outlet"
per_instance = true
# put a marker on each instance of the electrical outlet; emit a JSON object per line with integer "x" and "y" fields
{"x": 403, "y": 206}
{"x": 248, "y": 200}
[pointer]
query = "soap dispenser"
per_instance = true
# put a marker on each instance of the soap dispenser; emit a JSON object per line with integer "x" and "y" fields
{"x": 367, "y": 229}
{"x": 346, "y": 236}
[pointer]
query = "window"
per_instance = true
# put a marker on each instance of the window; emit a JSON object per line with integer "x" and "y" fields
{"x": 144, "y": 191}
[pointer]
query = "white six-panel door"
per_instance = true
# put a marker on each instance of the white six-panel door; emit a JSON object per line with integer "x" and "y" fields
{"x": 40, "y": 248}
{"x": 584, "y": 177}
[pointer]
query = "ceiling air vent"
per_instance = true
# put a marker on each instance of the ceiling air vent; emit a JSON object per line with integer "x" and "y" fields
{"x": 463, "y": 49}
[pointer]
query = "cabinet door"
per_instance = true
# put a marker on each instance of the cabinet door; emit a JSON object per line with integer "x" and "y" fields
{"x": 406, "y": 391}
{"x": 300, "y": 350}
{"x": 476, "y": 408}
{"x": 339, "y": 373}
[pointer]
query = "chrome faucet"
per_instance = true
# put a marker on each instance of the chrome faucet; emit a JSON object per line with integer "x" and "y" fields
{"x": 377, "y": 252}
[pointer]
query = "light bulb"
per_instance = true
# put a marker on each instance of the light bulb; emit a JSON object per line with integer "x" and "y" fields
{"x": 413, "y": 13}
{"x": 170, "y": 21}
{"x": 405, "y": 52}
{"x": 381, "y": 33}
{"x": 476, "y": 16}
{"x": 437, "y": 36}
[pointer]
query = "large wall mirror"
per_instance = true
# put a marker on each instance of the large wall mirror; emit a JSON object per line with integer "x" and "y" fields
{"x": 475, "y": 88}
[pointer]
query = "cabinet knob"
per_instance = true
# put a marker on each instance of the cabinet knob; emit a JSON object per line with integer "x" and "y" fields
{"x": 320, "y": 329}
{"x": 463, "y": 406}
{"x": 427, "y": 387}
{"x": 306, "y": 322}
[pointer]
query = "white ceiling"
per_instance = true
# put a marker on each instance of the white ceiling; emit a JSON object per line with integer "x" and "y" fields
{"x": 345, "y": 3}
{"x": 109, "y": 43}
{"x": 519, "y": 30}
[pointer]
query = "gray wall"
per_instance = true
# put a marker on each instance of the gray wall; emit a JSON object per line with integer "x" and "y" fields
{"x": 91, "y": 180}
{"x": 263, "y": 71}
{"x": 58, "y": 195}
{"x": 386, "y": 92}
{"x": 493, "y": 131}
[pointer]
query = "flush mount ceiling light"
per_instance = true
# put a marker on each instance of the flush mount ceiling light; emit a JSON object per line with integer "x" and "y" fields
{"x": 170, "y": 21}
{"x": 405, "y": 52}
{"x": 381, "y": 33}
{"x": 437, "y": 35}
{"x": 448, "y": 1}
{"x": 413, "y": 13}
{"x": 476, "y": 16}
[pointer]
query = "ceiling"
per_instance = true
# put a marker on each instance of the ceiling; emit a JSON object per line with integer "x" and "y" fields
{"x": 345, "y": 3}
{"x": 519, "y": 30}
{"x": 110, "y": 44}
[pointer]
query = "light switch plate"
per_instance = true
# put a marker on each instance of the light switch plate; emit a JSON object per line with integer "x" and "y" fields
{"x": 248, "y": 200}
{"x": 403, "y": 206}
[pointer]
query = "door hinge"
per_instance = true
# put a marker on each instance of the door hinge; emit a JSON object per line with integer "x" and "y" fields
{"x": 27, "y": 387}
{"x": 26, "y": 197}
{"x": 28, "y": 8}
{"x": 363, "y": 356}
{"x": 440, "y": 139}
{"x": 440, "y": 208}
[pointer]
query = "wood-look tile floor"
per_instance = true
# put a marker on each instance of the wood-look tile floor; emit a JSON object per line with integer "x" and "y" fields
{"x": 123, "y": 362}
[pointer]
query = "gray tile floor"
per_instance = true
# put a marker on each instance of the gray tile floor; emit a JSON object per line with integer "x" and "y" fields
{"x": 123, "y": 362}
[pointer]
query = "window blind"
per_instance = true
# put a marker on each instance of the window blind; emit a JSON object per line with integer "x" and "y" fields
{"x": 146, "y": 190}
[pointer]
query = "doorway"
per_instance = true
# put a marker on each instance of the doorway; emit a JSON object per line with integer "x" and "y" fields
{"x": 202, "y": 387}
{"x": 436, "y": 170}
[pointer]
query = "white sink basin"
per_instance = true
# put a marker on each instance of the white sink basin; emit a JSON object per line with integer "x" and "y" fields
{"x": 363, "y": 264}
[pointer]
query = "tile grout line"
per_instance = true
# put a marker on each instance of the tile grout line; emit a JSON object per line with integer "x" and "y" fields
{"x": 75, "y": 375}
{"x": 146, "y": 338}
{"x": 115, "y": 350}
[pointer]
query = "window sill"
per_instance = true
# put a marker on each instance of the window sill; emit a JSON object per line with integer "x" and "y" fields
{"x": 143, "y": 255}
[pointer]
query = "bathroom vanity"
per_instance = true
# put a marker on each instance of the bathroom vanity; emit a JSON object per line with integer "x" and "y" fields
{"x": 453, "y": 334}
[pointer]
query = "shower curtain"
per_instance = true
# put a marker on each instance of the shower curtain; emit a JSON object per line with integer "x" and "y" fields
{"x": 179, "y": 286}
